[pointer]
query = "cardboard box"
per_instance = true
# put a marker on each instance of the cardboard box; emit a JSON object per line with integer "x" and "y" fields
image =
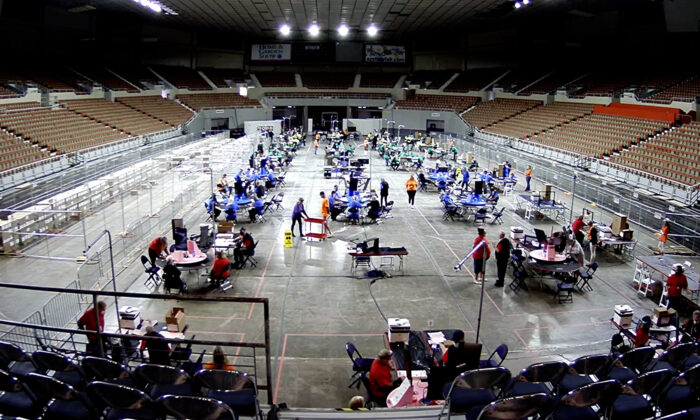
{"x": 224, "y": 227}
{"x": 662, "y": 317}
{"x": 175, "y": 319}
{"x": 623, "y": 316}
{"x": 619, "y": 223}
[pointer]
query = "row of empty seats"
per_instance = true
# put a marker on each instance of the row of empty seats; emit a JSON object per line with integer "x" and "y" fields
{"x": 600, "y": 135}
{"x": 162, "y": 109}
{"x": 15, "y": 152}
{"x": 106, "y": 78}
{"x": 598, "y": 84}
{"x": 686, "y": 91}
{"x": 672, "y": 155}
{"x": 491, "y": 112}
{"x": 438, "y": 102}
{"x": 321, "y": 94}
{"x": 519, "y": 78}
{"x": 476, "y": 79}
{"x": 217, "y": 100}
{"x": 551, "y": 82}
{"x": 182, "y": 77}
{"x": 117, "y": 116}
{"x": 541, "y": 118}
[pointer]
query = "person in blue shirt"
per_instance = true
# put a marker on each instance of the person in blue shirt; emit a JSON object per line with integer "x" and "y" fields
{"x": 335, "y": 194}
{"x": 257, "y": 208}
{"x": 210, "y": 205}
{"x": 493, "y": 197}
{"x": 297, "y": 214}
{"x": 260, "y": 189}
{"x": 270, "y": 183}
{"x": 506, "y": 170}
{"x": 354, "y": 207}
{"x": 442, "y": 181}
{"x": 465, "y": 178}
{"x": 231, "y": 210}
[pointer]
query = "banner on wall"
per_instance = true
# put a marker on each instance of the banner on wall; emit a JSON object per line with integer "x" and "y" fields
{"x": 377, "y": 53}
{"x": 271, "y": 52}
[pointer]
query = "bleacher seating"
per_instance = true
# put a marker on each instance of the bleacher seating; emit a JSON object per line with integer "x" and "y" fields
{"x": 599, "y": 135}
{"x": 138, "y": 75}
{"x": 15, "y": 152}
{"x": 7, "y": 93}
{"x": 518, "y": 78}
{"x": 653, "y": 82}
{"x": 221, "y": 77}
{"x": 598, "y": 84}
{"x": 429, "y": 79}
{"x": 491, "y": 112}
{"x": 474, "y": 80}
{"x": 379, "y": 80}
{"x": 217, "y": 100}
{"x": 686, "y": 91}
{"x": 117, "y": 116}
{"x": 673, "y": 155}
{"x": 58, "y": 80}
{"x": 554, "y": 81}
{"x": 276, "y": 79}
{"x": 321, "y": 94}
{"x": 438, "y": 102}
{"x": 541, "y": 118}
{"x": 182, "y": 77}
{"x": 105, "y": 78}
{"x": 59, "y": 130}
{"x": 165, "y": 110}
{"x": 328, "y": 80}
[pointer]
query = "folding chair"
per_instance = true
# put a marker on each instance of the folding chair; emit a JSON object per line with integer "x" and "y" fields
{"x": 277, "y": 201}
{"x": 564, "y": 292}
{"x": 497, "y": 216}
{"x": 449, "y": 211}
{"x": 152, "y": 272}
{"x": 250, "y": 257}
{"x": 386, "y": 213}
{"x": 480, "y": 216}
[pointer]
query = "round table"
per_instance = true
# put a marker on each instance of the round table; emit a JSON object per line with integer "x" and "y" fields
{"x": 541, "y": 256}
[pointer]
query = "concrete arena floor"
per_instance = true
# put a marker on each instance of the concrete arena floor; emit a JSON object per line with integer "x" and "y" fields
{"x": 317, "y": 306}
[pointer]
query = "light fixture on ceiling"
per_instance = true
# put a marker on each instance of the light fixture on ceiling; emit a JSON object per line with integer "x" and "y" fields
{"x": 518, "y": 5}
{"x": 285, "y": 29}
{"x": 314, "y": 30}
{"x": 343, "y": 30}
{"x": 372, "y": 30}
{"x": 526, "y": 2}
{"x": 156, "y": 6}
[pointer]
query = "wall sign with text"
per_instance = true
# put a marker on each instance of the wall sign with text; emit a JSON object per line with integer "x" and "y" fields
{"x": 271, "y": 52}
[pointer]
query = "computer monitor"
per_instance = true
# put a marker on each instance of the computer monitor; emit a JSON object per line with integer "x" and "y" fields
{"x": 541, "y": 236}
{"x": 363, "y": 161}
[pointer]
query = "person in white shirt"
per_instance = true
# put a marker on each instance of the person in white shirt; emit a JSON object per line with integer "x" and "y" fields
{"x": 575, "y": 251}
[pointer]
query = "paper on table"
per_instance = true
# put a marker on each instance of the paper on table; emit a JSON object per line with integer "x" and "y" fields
{"x": 437, "y": 337}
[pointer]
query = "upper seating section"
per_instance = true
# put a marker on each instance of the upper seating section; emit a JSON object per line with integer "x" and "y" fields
{"x": 686, "y": 91}
{"x": 6, "y": 92}
{"x": 217, "y": 100}
{"x": 552, "y": 82}
{"x": 517, "y": 79}
{"x": 105, "y": 78}
{"x": 541, "y": 118}
{"x": 58, "y": 79}
{"x": 165, "y": 110}
{"x": 328, "y": 80}
{"x": 438, "y": 102}
{"x": 672, "y": 155}
{"x": 58, "y": 130}
{"x": 138, "y": 75}
{"x": 379, "y": 80}
{"x": 475, "y": 79}
{"x": 491, "y": 112}
{"x": 599, "y": 135}
{"x": 429, "y": 79}
{"x": 276, "y": 79}
{"x": 116, "y": 115}
{"x": 224, "y": 78}
{"x": 332, "y": 93}
{"x": 182, "y": 77}
{"x": 598, "y": 84}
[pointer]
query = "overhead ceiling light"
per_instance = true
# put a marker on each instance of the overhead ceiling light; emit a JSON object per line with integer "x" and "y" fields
{"x": 314, "y": 30}
{"x": 518, "y": 5}
{"x": 343, "y": 30}
{"x": 285, "y": 29}
{"x": 154, "y": 6}
{"x": 372, "y": 30}
{"x": 526, "y": 2}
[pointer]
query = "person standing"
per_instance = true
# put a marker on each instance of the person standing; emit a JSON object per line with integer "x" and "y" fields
{"x": 465, "y": 178}
{"x": 576, "y": 227}
{"x": 503, "y": 249}
{"x": 297, "y": 213}
{"x": 325, "y": 213}
{"x": 663, "y": 236}
{"x": 592, "y": 240}
{"x": 89, "y": 321}
{"x": 383, "y": 192}
{"x": 675, "y": 284}
{"x": 315, "y": 146}
{"x": 156, "y": 249}
{"x": 411, "y": 187}
{"x": 528, "y": 177}
{"x": 480, "y": 256}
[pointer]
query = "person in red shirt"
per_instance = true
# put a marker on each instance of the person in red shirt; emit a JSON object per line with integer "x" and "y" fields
{"x": 380, "y": 382}
{"x": 221, "y": 268}
{"x": 576, "y": 229}
{"x": 480, "y": 256}
{"x": 88, "y": 321}
{"x": 675, "y": 283}
{"x": 641, "y": 337}
{"x": 156, "y": 248}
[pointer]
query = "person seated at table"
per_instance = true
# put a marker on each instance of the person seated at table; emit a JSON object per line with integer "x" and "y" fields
{"x": 380, "y": 379}
{"x": 459, "y": 357}
{"x": 244, "y": 247}
{"x": 691, "y": 329}
{"x": 575, "y": 251}
{"x": 172, "y": 277}
{"x": 354, "y": 207}
{"x": 446, "y": 199}
{"x": 221, "y": 268}
{"x": 493, "y": 196}
{"x": 473, "y": 165}
{"x": 395, "y": 163}
{"x": 374, "y": 209}
{"x": 257, "y": 208}
{"x": 260, "y": 189}
{"x": 158, "y": 349}
{"x": 211, "y": 207}
{"x": 418, "y": 162}
{"x": 641, "y": 336}
{"x": 430, "y": 152}
{"x": 441, "y": 181}
{"x": 270, "y": 182}
{"x": 219, "y": 361}
{"x": 422, "y": 181}
{"x": 156, "y": 249}
{"x": 222, "y": 186}
{"x": 231, "y": 210}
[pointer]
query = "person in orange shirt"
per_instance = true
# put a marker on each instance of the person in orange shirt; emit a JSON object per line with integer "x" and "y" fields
{"x": 315, "y": 146}
{"x": 528, "y": 177}
{"x": 411, "y": 188}
{"x": 325, "y": 212}
{"x": 663, "y": 236}
{"x": 219, "y": 361}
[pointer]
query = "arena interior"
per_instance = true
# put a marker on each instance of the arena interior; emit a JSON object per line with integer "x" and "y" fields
{"x": 552, "y": 145}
